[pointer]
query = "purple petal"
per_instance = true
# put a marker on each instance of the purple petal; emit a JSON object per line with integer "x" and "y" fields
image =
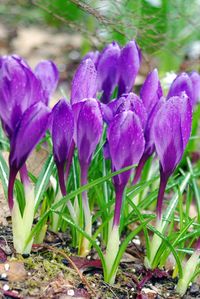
{"x": 195, "y": 78}
{"x": 62, "y": 130}
{"x": 182, "y": 83}
{"x": 89, "y": 127}
{"x": 107, "y": 71}
{"x": 28, "y": 133}
{"x": 84, "y": 84}
{"x": 129, "y": 64}
{"x": 132, "y": 102}
{"x": 151, "y": 91}
{"x": 19, "y": 88}
{"x": 126, "y": 143}
{"x": 94, "y": 56}
{"x": 47, "y": 72}
{"x": 171, "y": 130}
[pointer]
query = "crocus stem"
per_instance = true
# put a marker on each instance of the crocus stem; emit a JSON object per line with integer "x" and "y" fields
{"x": 61, "y": 193}
{"x": 22, "y": 224}
{"x": 113, "y": 239}
{"x": 11, "y": 181}
{"x": 119, "y": 190}
{"x": 139, "y": 169}
{"x": 161, "y": 192}
{"x": 85, "y": 246}
{"x": 189, "y": 270}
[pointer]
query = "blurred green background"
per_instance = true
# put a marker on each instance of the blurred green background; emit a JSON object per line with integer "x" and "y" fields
{"x": 168, "y": 31}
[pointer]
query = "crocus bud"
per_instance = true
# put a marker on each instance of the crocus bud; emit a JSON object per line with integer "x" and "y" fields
{"x": 62, "y": 136}
{"x": 182, "y": 83}
{"x": 171, "y": 131}
{"x": 129, "y": 64}
{"x": 47, "y": 72}
{"x": 27, "y": 134}
{"x": 151, "y": 93}
{"x": 84, "y": 84}
{"x": 132, "y": 102}
{"x": 107, "y": 71}
{"x": 126, "y": 146}
{"x": 94, "y": 56}
{"x": 195, "y": 78}
{"x": 89, "y": 126}
{"x": 19, "y": 88}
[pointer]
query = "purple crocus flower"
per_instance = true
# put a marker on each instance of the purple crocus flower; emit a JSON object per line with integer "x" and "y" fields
{"x": 151, "y": 94}
{"x": 62, "y": 136}
{"x": 30, "y": 129}
{"x": 94, "y": 56}
{"x": 129, "y": 64}
{"x": 84, "y": 84}
{"x": 107, "y": 71}
{"x": 195, "y": 79}
{"x": 19, "y": 88}
{"x": 88, "y": 131}
{"x": 126, "y": 146}
{"x": 182, "y": 83}
{"x": 171, "y": 132}
{"x": 47, "y": 72}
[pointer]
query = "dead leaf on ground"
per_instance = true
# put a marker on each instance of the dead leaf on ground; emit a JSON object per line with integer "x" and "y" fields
{"x": 15, "y": 270}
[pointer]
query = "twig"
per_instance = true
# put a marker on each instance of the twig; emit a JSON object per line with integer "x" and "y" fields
{"x": 82, "y": 277}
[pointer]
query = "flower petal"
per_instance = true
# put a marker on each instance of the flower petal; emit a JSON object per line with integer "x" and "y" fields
{"x": 107, "y": 71}
{"x": 170, "y": 137}
{"x": 129, "y": 64}
{"x": 126, "y": 143}
{"x": 151, "y": 91}
{"x": 182, "y": 83}
{"x": 195, "y": 78}
{"x": 47, "y": 72}
{"x": 84, "y": 84}
{"x": 89, "y": 127}
{"x": 28, "y": 133}
{"x": 62, "y": 130}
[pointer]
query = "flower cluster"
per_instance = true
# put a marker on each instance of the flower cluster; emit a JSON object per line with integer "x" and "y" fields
{"x": 102, "y": 101}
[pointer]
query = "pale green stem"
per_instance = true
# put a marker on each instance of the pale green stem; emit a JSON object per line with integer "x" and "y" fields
{"x": 111, "y": 253}
{"x": 22, "y": 225}
{"x": 189, "y": 270}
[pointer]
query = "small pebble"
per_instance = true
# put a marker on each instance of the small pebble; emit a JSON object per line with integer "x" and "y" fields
{"x": 132, "y": 289}
{"x": 6, "y": 287}
{"x": 6, "y": 267}
{"x": 136, "y": 241}
{"x": 3, "y": 275}
{"x": 89, "y": 257}
{"x": 70, "y": 292}
{"x": 29, "y": 273}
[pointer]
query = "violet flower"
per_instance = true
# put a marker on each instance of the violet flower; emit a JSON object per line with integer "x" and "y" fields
{"x": 151, "y": 94}
{"x": 107, "y": 71}
{"x": 126, "y": 146}
{"x": 88, "y": 131}
{"x": 129, "y": 64}
{"x": 62, "y": 136}
{"x": 47, "y": 72}
{"x": 171, "y": 132}
{"x": 63, "y": 150}
{"x": 84, "y": 84}
{"x": 30, "y": 129}
{"x": 195, "y": 79}
{"x": 20, "y": 88}
{"x": 182, "y": 83}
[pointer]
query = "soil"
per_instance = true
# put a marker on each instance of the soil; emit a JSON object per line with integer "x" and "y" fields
{"x": 53, "y": 271}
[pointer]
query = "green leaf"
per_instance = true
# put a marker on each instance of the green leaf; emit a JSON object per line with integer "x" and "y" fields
{"x": 4, "y": 172}
{"x": 43, "y": 180}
